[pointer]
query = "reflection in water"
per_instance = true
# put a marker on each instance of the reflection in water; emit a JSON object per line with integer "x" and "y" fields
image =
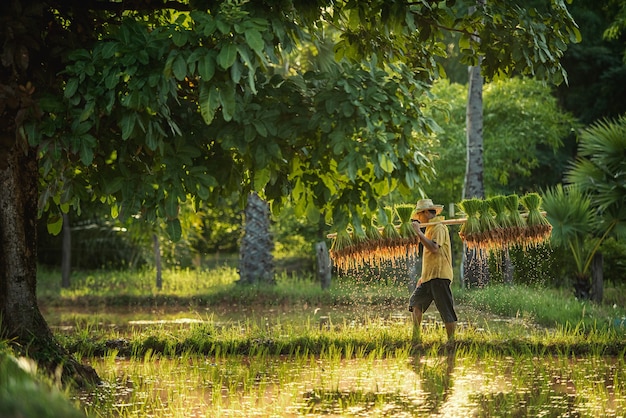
{"x": 432, "y": 385}
{"x": 436, "y": 377}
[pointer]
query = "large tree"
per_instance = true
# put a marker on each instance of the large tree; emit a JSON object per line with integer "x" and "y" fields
{"x": 144, "y": 105}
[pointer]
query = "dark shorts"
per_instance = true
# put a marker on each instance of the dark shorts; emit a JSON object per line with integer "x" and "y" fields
{"x": 437, "y": 290}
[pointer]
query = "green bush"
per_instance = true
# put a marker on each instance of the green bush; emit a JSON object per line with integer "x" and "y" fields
{"x": 614, "y": 253}
{"x": 24, "y": 394}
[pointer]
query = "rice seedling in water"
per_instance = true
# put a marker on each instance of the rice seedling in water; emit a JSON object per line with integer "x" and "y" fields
{"x": 472, "y": 381}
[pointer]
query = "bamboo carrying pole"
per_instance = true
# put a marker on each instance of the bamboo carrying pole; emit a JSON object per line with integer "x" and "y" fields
{"x": 455, "y": 221}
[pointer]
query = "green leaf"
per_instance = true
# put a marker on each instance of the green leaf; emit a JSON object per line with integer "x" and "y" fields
{"x": 128, "y": 124}
{"x": 254, "y": 40}
{"x": 576, "y": 36}
{"x": 206, "y": 67}
{"x": 54, "y": 224}
{"x": 87, "y": 111}
{"x": 203, "y": 192}
{"x": 113, "y": 185}
{"x": 385, "y": 163}
{"x": 174, "y": 229}
{"x": 70, "y": 87}
{"x": 312, "y": 213}
{"x": 209, "y": 102}
{"x": 235, "y": 72}
{"x": 171, "y": 205}
{"x": 151, "y": 140}
{"x": 179, "y": 68}
{"x": 227, "y": 98}
{"x": 109, "y": 49}
{"x": 243, "y": 53}
{"x": 180, "y": 38}
{"x": 260, "y": 127}
{"x": 87, "y": 144}
{"x": 227, "y": 56}
{"x": 261, "y": 178}
{"x": 209, "y": 26}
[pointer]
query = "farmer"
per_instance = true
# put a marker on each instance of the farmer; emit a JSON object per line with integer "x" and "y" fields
{"x": 434, "y": 283}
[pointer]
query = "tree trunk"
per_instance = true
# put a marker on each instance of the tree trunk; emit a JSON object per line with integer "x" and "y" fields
{"x": 597, "y": 278}
{"x": 323, "y": 264}
{"x": 474, "y": 185}
{"x": 22, "y": 322}
{"x": 475, "y": 269}
{"x": 66, "y": 252}
{"x": 256, "y": 262}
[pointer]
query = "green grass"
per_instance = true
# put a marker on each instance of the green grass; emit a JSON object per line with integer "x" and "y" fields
{"x": 544, "y": 306}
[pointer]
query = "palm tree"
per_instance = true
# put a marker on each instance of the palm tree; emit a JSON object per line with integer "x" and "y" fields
{"x": 593, "y": 206}
{"x": 600, "y": 170}
{"x": 572, "y": 218}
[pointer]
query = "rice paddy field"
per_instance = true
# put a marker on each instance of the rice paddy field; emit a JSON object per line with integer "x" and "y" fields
{"x": 203, "y": 346}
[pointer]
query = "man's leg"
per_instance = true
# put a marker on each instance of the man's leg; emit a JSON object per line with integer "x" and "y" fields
{"x": 445, "y": 304}
{"x": 416, "y": 315}
{"x": 450, "y": 328}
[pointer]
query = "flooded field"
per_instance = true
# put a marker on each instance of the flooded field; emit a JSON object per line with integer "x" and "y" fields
{"x": 406, "y": 381}
{"x": 457, "y": 384}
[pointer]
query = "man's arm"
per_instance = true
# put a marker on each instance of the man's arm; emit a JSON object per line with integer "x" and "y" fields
{"x": 429, "y": 244}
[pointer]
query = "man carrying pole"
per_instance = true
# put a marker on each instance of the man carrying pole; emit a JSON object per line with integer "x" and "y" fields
{"x": 434, "y": 283}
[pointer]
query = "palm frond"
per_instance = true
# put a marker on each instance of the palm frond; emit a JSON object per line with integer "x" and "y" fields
{"x": 570, "y": 213}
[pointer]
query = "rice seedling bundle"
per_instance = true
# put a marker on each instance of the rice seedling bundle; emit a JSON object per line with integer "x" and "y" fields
{"x": 517, "y": 224}
{"x": 470, "y": 229}
{"x": 409, "y": 236}
{"x": 374, "y": 242}
{"x": 538, "y": 229}
{"x": 341, "y": 250}
{"x": 359, "y": 247}
{"x": 392, "y": 245}
{"x": 487, "y": 225}
{"x": 501, "y": 220}
{"x": 494, "y": 224}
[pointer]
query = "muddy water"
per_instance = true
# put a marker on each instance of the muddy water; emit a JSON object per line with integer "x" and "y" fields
{"x": 453, "y": 385}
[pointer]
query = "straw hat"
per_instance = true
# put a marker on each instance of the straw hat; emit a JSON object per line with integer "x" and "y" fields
{"x": 427, "y": 204}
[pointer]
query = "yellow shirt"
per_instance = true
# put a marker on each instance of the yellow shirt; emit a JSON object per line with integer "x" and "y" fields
{"x": 437, "y": 265}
